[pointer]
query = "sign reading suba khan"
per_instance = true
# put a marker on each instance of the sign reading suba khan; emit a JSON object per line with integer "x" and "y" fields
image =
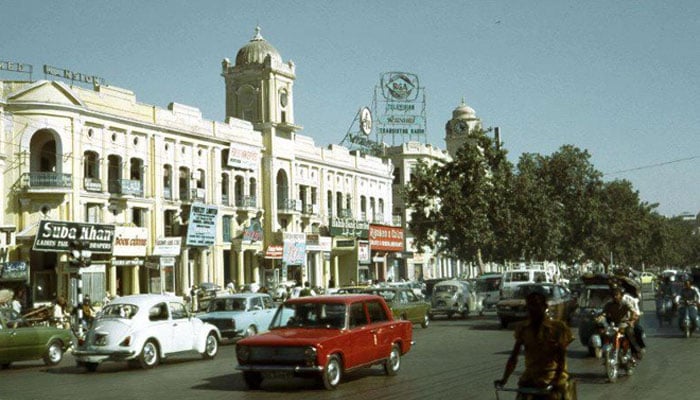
{"x": 55, "y": 236}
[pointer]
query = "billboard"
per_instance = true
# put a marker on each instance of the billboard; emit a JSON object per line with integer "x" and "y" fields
{"x": 400, "y": 110}
{"x": 201, "y": 229}
{"x": 55, "y": 236}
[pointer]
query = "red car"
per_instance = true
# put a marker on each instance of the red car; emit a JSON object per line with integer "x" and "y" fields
{"x": 325, "y": 337}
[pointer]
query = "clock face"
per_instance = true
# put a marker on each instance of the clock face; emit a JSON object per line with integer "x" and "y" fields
{"x": 461, "y": 127}
{"x": 284, "y": 100}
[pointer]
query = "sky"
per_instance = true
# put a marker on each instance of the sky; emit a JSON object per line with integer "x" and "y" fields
{"x": 619, "y": 79}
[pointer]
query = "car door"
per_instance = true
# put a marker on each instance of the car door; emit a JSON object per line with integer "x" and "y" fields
{"x": 414, "y": 311}
{"x": 160, "y": 327}
{"x": 362, "y": 338}
{"x": 182, "y": 327}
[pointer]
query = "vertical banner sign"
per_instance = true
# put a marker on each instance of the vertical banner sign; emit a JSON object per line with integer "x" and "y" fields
{"x": 363, "y": 252}
{"x": 294, "y": 248}
{"x": 201, "y": 229}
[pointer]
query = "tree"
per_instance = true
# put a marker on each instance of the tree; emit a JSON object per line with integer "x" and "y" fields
{"x": 456, "y": 208}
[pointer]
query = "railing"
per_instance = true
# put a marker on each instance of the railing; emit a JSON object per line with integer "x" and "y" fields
{"x": 126, "y": 187}
{"x": 378, "y": 218}
{"x": 167, "y": 193}
{"x": 47, "y": 180}
{"x": 345, "y": 213}
{"x": 309, "y": 209}
{"x": 198, "y": 194}
{"x": 288, "y": 205}
{"x": 246, "y": 201}
{"x": 225, "y": 199}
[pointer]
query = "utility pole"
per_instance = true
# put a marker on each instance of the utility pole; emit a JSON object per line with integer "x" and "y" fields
{"x": 80, "y": 257}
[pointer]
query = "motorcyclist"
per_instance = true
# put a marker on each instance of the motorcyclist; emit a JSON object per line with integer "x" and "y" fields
{"x": 690, "y": 292}
{"x": 666, "y": 287}
{"x": 617, "y": 312}
{"x": 635, "y": 317}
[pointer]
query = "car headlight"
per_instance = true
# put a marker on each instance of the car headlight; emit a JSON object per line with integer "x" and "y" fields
{"x": 243, "y": 352}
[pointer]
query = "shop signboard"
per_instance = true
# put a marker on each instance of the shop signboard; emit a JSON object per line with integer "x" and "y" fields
{"x": 14, "y": 271}
{"x": 294, "y": 248}
{"x": 348, "y": 227}
{"x": 167, "y": 246}
{"x": 363, "y": 252}
{"x": 130, "y": 241}
{"x": 55, "y": 236}
{"x": 201, "y": 229}
{"x": 386, "y": 238}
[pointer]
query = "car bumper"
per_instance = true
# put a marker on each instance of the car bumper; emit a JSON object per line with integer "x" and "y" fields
{"x": 512, "y": 315}
{"x": 294, "y": 369}
{"x": 95, "y": 355}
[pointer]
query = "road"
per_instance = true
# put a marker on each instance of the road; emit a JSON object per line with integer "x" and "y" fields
{"x": 452, "y": 359}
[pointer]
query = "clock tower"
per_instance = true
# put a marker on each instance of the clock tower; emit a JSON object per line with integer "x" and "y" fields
{"x": 458, "y": 129}
{"x": 259, "y": 87}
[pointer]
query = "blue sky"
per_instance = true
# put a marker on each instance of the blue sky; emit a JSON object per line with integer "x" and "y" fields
{"x": 619, "y": 79}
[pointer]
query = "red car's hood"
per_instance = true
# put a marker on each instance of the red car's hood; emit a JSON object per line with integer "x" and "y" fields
{"x": 291, "y": 337}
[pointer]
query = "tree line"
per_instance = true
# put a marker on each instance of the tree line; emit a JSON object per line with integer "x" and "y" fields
{"x": 480, "y": 207}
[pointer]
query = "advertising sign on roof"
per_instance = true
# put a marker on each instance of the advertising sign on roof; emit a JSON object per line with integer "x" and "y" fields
{"x": 243, "y": 156}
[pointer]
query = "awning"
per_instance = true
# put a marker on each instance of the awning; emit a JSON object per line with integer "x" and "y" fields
{"x": 274, "y": 252}
{"x": 28, "y": 233}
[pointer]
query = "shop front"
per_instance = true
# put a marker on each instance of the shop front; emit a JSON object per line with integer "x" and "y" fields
{"x": 162, "y": 266}
{"x": 318, "y": 250}
{"x": 294, "y": 258}
{"x": 387, "y": 246}
{"x": 126, "y": 273}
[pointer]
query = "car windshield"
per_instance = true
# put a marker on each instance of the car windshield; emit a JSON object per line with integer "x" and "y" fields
{"x": 310, "y": 315}
{"x": 449, "y": 289}
{"x": 519, "y": 277}
{"x": 487, "y": 285}
{"x": 229, "y": 304}
{"x": 523, "y": 290}
{"x": 388, "y": 295}
{"x": 125, "y": 311}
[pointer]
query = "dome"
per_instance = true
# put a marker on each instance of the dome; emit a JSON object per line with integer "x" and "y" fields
{"x": 256, "y": 51}
{"x": 463, "y": 110}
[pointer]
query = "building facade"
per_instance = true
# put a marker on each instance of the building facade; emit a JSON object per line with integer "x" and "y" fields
{"x": 188, "y": 200}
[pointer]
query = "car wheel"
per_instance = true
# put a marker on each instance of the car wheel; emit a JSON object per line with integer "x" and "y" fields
{"x": 54, "y": 353}
{"x": 91, "y": 366}
{"x": 149, "y": 357}
{"x": 251, "y": 331}
{"x": 393, "y": 363}
{"x": 252, "y": 379}
{"x": 332, "y": 372}
{"x": 5, "y": 365}
{"x": 211, "y": 347}
{"x": 431, "y": 316}
{"x": 426, "y": 321}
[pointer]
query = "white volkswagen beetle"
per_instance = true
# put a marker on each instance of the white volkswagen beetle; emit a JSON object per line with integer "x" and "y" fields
{"x": 143, "y": 330}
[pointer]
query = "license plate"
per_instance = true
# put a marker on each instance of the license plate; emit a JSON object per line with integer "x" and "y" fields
{"x": 277, "y": 375}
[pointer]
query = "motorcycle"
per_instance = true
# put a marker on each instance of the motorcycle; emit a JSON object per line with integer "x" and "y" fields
{"x": 664, "y": 309}
{"x": 617, "y": 351}
{"x": 595, "y": 343}
{"x": 687, "y": 316}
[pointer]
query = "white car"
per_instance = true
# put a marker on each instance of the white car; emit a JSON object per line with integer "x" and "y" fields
{"x": 240, "y": 314}
{"x": 143, "y": 330}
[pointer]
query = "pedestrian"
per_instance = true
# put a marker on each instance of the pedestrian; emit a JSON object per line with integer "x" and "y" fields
{"x": 16, "y": 305}
{"x": 545, "y": 342}
{"x": 307, "y": 291}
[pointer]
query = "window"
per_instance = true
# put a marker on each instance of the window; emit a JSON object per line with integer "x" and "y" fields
{"x": 397, "y": 175}
{"x": 225, "y": 189}
{"x": 357, "y": 315}
{"x": 376, "y": 312}
{"x": 167, "y": 181}
{"x": 178, "y": 311}
{"x": 159, "y": 312}
{"x": 329, "y": 202}
{"x": 138, "y": 216}
{"x": 226, "y": 227}
{"x": 92, "y": 213}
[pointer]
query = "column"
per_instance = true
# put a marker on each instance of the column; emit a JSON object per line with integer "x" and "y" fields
{"x": 256, "y": 270}
{"x": 203, "y": 266}
{"x": 135, "y": 280}
{"x": 184, "y": 273}
{"x": 241, "y": 270}
{"x": 112, "y": 279}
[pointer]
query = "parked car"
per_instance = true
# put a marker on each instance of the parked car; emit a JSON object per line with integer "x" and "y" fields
{"x": 488, "y": 286}
{"x": 404, "y": 304}
{"x": 325, "y": 337}
{"x": 560, "y": 303}
{"x": 240, "y": 314}
{"x": 21, "y": 342}
{"x": 454, "y": 297}
{"x": 351, "y": 289}
{"x": 143, "y": 330}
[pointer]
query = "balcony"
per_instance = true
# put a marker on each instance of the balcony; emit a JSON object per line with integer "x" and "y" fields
{"x": 47, "y": 181}
{"x": 225, "y": 199}
{"x": 126, "y": 187}
{"x": 288, "y": 206}
{"x": 167, "y": 193}
{"x": 309, "y": 209}
{"x": 345, "y": 213}
{"x": 246, "y": 202}
{"x": 198, "y": 195}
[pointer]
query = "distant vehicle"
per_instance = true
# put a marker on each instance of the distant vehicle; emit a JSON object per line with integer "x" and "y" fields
{"x": 21, "y": 342}
{"x": 521, "y": 275}
{"x": 404, "y": 304}
{"x": 454, "y": 297}
{"x": 240, "y": 314}
{"x": 560, "y": 303}
{"x": 325, "y": 337}
{"x": 488, "y": 286}
{"x": 646, "y": 277}
{"x": 143, "y": 330}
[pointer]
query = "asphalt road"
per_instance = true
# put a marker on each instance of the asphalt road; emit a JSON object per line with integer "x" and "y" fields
{"x": 452, "y": 359}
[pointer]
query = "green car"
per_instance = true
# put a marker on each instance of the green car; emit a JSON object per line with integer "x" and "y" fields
{"x": 21, "y": 342}
{"x": 404, "y": 304}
